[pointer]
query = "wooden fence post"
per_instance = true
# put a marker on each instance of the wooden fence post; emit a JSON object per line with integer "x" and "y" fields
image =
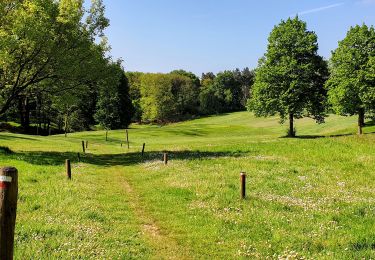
{"x": 165, "y": 158}
{"x": 243, "y": 185}
{"x": 79, "y": 157}
{"x": 87, "y": 144}
{"x": 83, "y": 147}
{"x": 143, "y": 149}
{"x": 68, "y": 169}
{"x": 127, "y": 137}
{"x": 8, "y": 210}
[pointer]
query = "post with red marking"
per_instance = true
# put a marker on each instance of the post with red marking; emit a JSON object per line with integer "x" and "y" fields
{"x": 68, "y": 169}
{"x": 8, "y": 210}
{"x": 243, "y": 185}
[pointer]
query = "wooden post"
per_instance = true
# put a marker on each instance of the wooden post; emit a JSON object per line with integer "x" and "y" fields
{"x": 68, "y": 169}
{"x": 121, "y": 144}
{"x": 143, "y": 149}
{"x": 127, "y": 137}
{"x": 8, "y": 210}
{"x": 79, "y": 157}
{"x": 165, "y": 158}
{"x": 243, "y": 185}
{"x": 83, "y": 147}
{"x": 106, "y": 135}
{"x": 87, "y": 144}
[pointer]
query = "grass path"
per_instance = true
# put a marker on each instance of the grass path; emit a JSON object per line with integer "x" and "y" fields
{"x": 163, "y": 246}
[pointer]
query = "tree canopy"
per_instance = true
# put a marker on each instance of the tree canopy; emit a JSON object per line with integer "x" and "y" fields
{"x": 351, "y": 87}
{"x": 290, "y": 77}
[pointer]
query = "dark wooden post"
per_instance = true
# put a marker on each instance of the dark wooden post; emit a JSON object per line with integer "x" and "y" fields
{"x": 143, "y": 149}
{"x": 83, "y": 147}
{"x": 127, "y": 137}
{"x": 106, "y": 135}
{"x": 8, "y": 210}
{"x": 243, "y": 185}
{"x": 121, "y": 144}
{"x": 68, "y": 169}
{"x": 165, "y": 158}
{"x": 87, "y": 144}
{"x": 79, "y": 157}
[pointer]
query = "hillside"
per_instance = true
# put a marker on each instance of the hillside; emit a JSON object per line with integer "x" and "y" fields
{"x": 312, "y": 196}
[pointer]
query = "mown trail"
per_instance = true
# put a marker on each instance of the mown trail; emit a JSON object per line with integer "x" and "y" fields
{"x": 163, "y": 246}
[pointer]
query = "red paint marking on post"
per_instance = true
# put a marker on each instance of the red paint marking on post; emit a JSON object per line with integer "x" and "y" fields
{"x": 3, "y": 185}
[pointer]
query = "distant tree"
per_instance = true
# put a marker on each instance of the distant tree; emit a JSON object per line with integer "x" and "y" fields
{"x": 351, "y": 87}
{"x": 185, "y": 88}
{"x": 246, "y": 78}
{"x": 157, "y": 102}
{"x": 290, "y": 77}
{"x": 228, "y": 90}
{"x": 192, "y": 76}
{"x": 134, "y": 79}
{"x": 114, "y": 107}
{"x": 221, "y": 93}
{"x": 209, "y": 103}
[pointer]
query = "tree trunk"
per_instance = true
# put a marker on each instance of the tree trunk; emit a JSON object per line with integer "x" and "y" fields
{"x": 361, "y": 120}
{"x": 291, "y": 126}
{"x": 21, "y": 111}
{"x": 24, "y": 110}
{"x": 66, "y": 125}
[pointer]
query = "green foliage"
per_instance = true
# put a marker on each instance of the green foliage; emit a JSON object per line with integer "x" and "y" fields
{"x": 168, "y": 97}
{"x": 290, "y": 77}
{"x": 46, "y": 48}
{"x": 114, "y": 107}
{"x": 134, "y": 79}
{"x": 157, "y": 100}
{"x": 351, "y": 87}
{"x": 224, "y": 92}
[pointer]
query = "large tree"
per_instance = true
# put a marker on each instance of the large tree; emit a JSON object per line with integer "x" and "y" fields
{"x": 351, "y": 86}
{"x": 48, "y": 41}
{"x": 290, "y": 77}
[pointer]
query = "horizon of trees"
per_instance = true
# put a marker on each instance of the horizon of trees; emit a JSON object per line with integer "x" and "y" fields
{"x": 56, "y": 75}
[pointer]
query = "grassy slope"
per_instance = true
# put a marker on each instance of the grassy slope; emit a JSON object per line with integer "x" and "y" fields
{"x": 311, "y": 197}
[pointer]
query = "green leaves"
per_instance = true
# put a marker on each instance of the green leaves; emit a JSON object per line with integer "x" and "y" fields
{"x": 351, "y": 86}
{"x": 290, "y": 77}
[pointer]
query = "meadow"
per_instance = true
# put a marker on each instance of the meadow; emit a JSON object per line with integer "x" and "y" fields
{"x": 311, "y": 197}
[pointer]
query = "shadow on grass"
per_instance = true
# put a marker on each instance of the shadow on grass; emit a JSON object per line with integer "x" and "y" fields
{"x": 56, "y": 158}
{"x": 11, "y": 137}
{"x": 322, "y": 136}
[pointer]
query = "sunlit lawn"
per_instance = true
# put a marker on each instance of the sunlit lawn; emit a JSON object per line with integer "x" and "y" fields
{"x": 311, "y": 197}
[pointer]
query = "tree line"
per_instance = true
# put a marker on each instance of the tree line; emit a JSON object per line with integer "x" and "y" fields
{"x": 180, "y": 95}
{"x": 56, "y": 75}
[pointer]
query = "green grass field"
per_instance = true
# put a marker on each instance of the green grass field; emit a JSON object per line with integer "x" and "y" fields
{"x": 311, "y": 197}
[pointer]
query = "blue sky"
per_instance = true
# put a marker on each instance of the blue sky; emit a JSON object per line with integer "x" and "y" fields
{"x": 215, "y": 35}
